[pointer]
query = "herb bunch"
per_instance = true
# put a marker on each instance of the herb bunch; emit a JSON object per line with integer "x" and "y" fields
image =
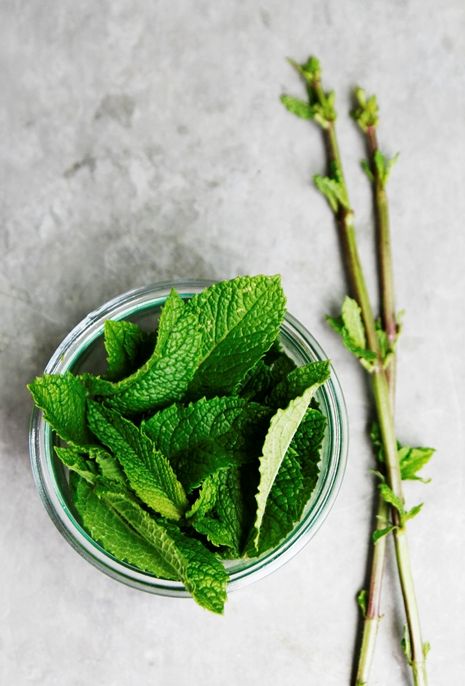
{"x": 200, "y": 443}
{"x": 373, "y": 342}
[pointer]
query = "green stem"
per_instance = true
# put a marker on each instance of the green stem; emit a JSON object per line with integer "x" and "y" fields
{"x": 372, "y": 615}
{"x": 383, "y": 406}
{"x": 383, "y": 410}
{"x": 385, "y": 271}
{"x": 386, "y": 288}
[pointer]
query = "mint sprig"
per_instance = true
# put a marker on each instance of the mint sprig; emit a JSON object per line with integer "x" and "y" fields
{"x": 373, "y": 342}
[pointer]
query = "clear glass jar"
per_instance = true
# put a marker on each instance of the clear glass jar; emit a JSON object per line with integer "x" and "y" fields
{"x": 82, "y": 350}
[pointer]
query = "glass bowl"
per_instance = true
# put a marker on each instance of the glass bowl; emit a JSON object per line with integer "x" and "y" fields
{"x": 82, "y": 350}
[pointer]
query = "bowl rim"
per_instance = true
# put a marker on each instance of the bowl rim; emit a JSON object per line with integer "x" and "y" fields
{"x": 71, "y": 348}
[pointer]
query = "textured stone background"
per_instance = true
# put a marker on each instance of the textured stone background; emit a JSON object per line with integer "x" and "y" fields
{"x": 143, "y": 141}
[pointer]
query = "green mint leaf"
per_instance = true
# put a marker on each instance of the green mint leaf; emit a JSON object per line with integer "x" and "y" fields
{"x": 115, "y": 535}
{"x": 391, "y": 498}
{"x": 239, "y": 320}
{"x": 202, "y": 574}
{"x": 283, "y": 504}
{"x": 206, "y": 497}
{"x": 283, "y": 427}
{"x": 123, "y": 342}
{"x": 294, "y": 482}
{"x": 226, "y": 523}
{"x": 171, "y": 312}
{"x": 193, "y": 468}
{"x": 297, "y": 381}
{"x": 166, "y": 375}
{"x": 148, "y": 471}
{"x": 412, "y": 460}
{"x": 416, "y": 509}
{"x": 307, "y": 445}
{"x": 352, "y": 318}
{"x": 378, "y": 534}
{"x": 256, "y": 382}
{"x": 265, "y": 374}
{"x": 362, "y": 597}
{"x": 383, "y": 340}
{"x": 109, "y": 467}
{"x": 426, "y": 649}
{"x": 366, "y": 114}
{"x": 334, "y": 191}
{"x": 310, "y": 70}
{"x": 383, "y": 166}
{"x": 351, "y": 328}
{"x": 300, "y": 108}
{"x": 72, "y": 459}
{"x": 367, "y": 169}
{"x": 62, "y": 399}
{"x": 231, "y": 423}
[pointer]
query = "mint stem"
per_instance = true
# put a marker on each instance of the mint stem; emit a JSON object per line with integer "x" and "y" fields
{"x": 383, "y": 236}
{"x": 373, "y": 614}
{"x": 382, "y": 390}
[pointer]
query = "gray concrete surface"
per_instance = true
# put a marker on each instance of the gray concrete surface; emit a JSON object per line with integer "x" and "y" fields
{"x": 143, "y": 141}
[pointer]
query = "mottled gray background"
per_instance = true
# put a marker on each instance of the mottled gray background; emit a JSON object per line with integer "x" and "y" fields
{"x": 143, "y": 141}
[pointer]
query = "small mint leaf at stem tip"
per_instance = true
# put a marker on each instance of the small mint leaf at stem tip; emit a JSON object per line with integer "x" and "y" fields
{"x": 310, "y": 70}
{"x": 366, "y": 113}
{"x": 300, "y": 108}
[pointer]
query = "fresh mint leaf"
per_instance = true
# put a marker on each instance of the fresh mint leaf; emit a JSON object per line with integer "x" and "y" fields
{"x": 202, "y": 574}
{"x": 413, "y": 512}
{"x": 352, "y": 318}
{"x": 283, "y": 504}
{"x": 239, "y": 320}
{"x": 74, "y": 461}
{"x": 123, "y": 342}
{"x": 412, "y": 460}
{"x": 283, "y": 427}
{"x": 300, "y": 108}
{"x": 166, "y": 375}
{"x": 148, "y": 471}
{"x": 384, "y": 166}
{"x": 265, "y": 374}
{"x": 297, "y": 381}
{"x": 294, "y": 482}
{"x": 307, "y": 445}
{"x": 171, "y": 312}
{"x": 206, "y": 497}
{"x": 351, "y": 329}
{"x": 231, "y": 422}
{"x": 378, "y": 534}
{"x": 62, "y": 398}
{"x": 115, "y": 535}
{"x": 391, "y": 498}
{"x": 109, "y": 467}
{"x": 256, "y": 382}
{"x": 224, "y": 525}
{"x": 194, "y": 467}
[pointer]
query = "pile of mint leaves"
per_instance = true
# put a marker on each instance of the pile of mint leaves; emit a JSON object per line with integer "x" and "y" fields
{"x": 201, "y": 442}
